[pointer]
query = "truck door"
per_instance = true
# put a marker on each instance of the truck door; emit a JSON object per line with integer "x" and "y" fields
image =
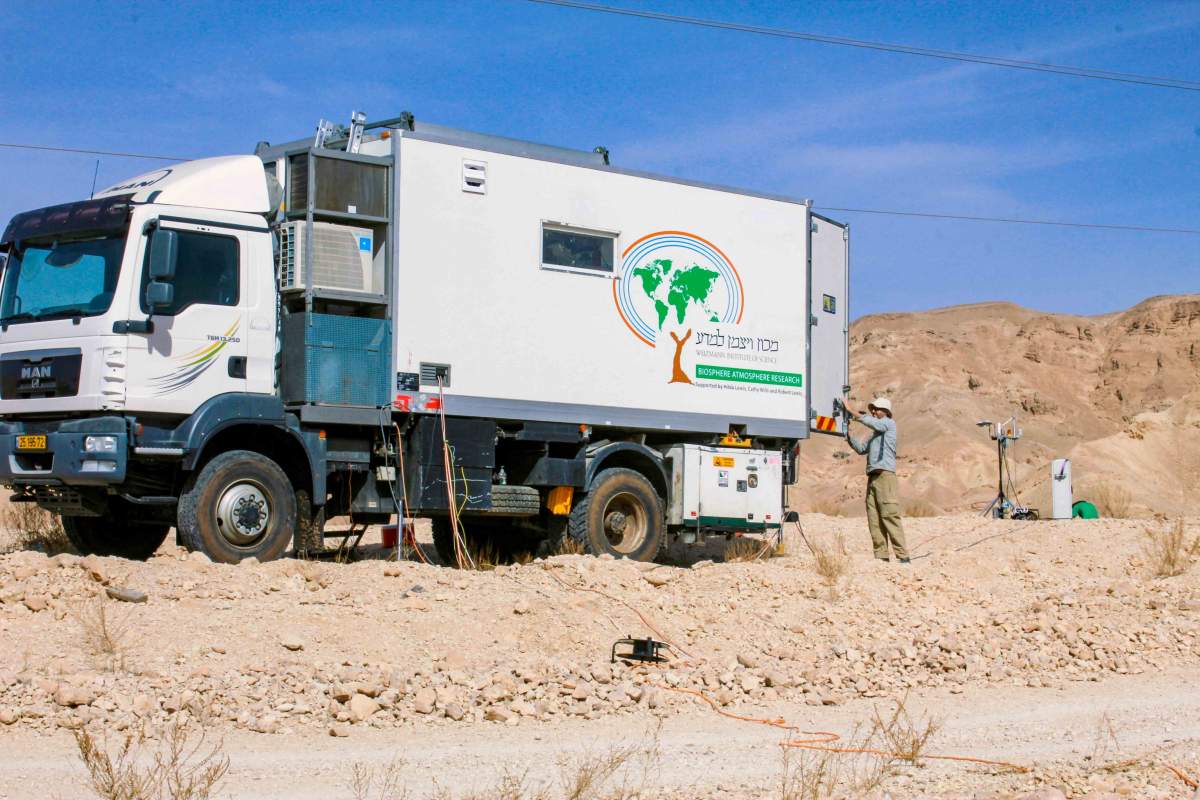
{"x": 829, "y": 329}
{"x": 198, "y": 348}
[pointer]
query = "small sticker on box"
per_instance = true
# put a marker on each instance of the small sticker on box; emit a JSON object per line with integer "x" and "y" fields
{"x": 364, "y": 243}
{"x": 722, "y": 477}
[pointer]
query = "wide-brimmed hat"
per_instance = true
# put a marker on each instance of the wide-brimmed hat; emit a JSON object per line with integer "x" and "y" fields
{"x": 881, "y": 403}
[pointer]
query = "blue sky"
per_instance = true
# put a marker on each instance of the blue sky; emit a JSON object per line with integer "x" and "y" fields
{"x": 845, "y": 127}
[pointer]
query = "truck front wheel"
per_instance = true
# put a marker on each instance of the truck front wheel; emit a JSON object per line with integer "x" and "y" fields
{"x": 240, "y": 505}
{"x": 112, "y": 536}
{"x": 621, "y": 515}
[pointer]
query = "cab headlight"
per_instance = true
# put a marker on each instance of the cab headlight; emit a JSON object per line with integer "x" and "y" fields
{"x": 100, "y": 444}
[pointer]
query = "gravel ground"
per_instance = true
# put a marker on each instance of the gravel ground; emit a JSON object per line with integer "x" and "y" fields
{"x": 1039, "y": 643}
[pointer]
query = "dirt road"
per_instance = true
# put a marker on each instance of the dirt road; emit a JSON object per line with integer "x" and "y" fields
{"x": 701, "y": 754}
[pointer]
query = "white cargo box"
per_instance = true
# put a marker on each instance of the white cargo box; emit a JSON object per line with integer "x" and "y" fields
{"x": 725, "y": 488}
{"x": 542, "y": 284}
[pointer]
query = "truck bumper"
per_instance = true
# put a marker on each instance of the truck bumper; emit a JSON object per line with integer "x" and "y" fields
{"x": 65, "y": 460}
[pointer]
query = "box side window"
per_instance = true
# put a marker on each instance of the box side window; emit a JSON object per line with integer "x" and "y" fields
{"x": 577, "y": 249}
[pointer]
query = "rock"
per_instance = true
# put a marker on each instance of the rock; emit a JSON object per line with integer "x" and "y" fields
{"x": 748, "y": 660}
{"x": 362, "y": 707}
{"x": 778, "y": 678}
{"x": 94, "y": 568}
{"x": 582, "y": 691}
{"x": 339, "y": 731}
{"x": 659, "y": 577}
{"x": 267, "y": 723}
{"x": 424, "y": 700}
{"x": 72, "y": 696}
{"x": 707, "y": 562}
{"x": 248, "y": 562}
{"x": 341, "y": 692}
{"x": 521, "y": 607}
{"x": 497, "y": 714}
{"x": 143, "y": 705}
{"x": 196, "y": 557}
{"x": 292, "y": 642}
{"x": 392, "y": 570}
{"x": 126, "y": 595}
{"x": 1046, "y": 793}
{"x": 602, "y": 674}
{"x": 455, "y": 712}
{"x": 8, "y": 716}
{"x": 35, "y": 602}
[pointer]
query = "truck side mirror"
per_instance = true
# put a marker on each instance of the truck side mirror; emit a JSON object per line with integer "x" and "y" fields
{"x": 164, "y": 252}
{"x": 159, "y": 294}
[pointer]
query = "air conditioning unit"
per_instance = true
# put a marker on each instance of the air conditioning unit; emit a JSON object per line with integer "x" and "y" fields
{"x": 342, "y": 257}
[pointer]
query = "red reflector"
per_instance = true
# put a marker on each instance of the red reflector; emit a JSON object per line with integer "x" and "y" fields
{"x": 768, "y": 516}
{"x": 693, "y": 513}
{"x": 403, "y": 402}
{"x": 433, "y": 404}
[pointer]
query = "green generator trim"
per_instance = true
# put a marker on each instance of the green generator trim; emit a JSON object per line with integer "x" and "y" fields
{"x": 736, "y": 522}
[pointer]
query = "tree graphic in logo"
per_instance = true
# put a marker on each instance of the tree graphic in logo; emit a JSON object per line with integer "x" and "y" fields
{"x": 670, "y": 279}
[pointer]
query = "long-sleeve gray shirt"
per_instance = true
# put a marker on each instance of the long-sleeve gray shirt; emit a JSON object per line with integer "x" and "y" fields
{"x": 880, "y": 449}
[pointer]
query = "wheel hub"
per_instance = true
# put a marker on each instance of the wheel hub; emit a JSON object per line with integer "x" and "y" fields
{"x": 243, "y": 514}
{"x": 626, "y": 522}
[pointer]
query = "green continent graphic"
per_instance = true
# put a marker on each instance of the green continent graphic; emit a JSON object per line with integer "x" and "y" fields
{"x": 677, "y": 289}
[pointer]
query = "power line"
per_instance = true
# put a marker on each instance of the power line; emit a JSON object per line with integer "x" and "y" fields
{"x": 88, "y": 152}
{"x": 1012, "y": 220}
{"x": 947, "y": 55}
{"x": 889, "y": 212}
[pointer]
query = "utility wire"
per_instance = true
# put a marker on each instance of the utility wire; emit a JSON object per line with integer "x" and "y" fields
{"x": 88, "y": 152}
{"x": 889, "y": 212}
{"x": 947, "y": 55}
{"x": 1012, "y": 221}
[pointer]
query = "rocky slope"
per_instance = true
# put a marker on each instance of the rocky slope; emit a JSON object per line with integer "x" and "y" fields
{"x": 1118, "y": 394}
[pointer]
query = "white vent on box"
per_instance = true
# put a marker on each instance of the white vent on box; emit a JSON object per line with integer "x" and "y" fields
{"x": 342, "y": 257}
{"x": 474, "y": 176}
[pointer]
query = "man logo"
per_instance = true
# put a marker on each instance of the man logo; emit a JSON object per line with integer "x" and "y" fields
{"x": 28, "y": 373}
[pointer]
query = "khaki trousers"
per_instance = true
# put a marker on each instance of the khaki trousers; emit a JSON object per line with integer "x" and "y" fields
{"x": 883, "y": 514}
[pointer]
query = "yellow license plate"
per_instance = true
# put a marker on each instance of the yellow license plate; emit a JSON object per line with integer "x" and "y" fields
{"x": 37, "y": 442}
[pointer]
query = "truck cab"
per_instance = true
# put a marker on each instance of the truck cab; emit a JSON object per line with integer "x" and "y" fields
{"x": 121, "y": 317}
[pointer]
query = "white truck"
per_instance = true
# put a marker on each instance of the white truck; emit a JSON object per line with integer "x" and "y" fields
{"x": 519, "y": 341}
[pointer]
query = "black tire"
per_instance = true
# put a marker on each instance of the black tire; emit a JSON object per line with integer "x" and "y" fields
{"x": 240, "y": 505}
{"x": 522, "y": 500}
{"x": 309, "y": 539}
{"x": 112, "y": 536}
{"x": 617, "y": 499}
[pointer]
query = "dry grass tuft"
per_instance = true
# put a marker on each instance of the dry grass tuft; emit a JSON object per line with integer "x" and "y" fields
{"x": 743, "y": 549}
{"x": 824, "y": 774}
{"x": 920, "y": 507}
{"x": 34, "y": 528}
{"x": 103, "y": 631}
{"x": 1112, "y": 500}
{"x": 367, "y": 783}
{"x": 901, "y": 735}
{"x": 1167, "y": 551}
{"x": 567, "y": 546}
{"x": 831, "y": 562}
{"x": 178, "y": 767}
{"x": 827, "y": 507}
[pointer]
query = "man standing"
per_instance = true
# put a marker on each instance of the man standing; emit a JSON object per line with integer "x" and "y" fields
{"x": 883, "y": 491}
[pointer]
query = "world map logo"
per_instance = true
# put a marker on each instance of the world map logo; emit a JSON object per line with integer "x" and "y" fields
{"x": 674, "y": 278}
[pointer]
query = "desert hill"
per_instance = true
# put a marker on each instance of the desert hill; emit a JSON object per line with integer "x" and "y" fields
{"x": 1118, "y": 394}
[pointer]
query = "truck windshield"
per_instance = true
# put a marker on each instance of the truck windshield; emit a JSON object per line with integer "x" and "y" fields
{"x": 60, "y": 279}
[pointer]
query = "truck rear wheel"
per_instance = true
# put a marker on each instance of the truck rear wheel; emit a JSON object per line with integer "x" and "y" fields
{"x": 111, "y": 536}
{"x": 240, "y": 505}
{"x": 621, "y": 515}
